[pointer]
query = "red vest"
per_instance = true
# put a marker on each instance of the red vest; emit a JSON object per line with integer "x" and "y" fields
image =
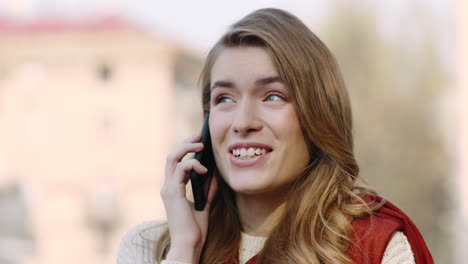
{"x": 371, "y": 235}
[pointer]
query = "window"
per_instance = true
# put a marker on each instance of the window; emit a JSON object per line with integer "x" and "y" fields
{"x": 16, "y": 236}
{"x": 104, "y": 72}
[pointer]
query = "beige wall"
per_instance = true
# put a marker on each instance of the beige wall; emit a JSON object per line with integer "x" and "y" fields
{"x": 67, "y": 136}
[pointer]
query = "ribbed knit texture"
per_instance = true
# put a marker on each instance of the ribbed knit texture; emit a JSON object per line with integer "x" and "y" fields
{"x": 137, "y": 246}
{"x": 250, "y": 246}
{"x": 398, "y": 250}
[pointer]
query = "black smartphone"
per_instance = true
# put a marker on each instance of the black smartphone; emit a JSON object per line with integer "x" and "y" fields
{"x": 201, "y": 182}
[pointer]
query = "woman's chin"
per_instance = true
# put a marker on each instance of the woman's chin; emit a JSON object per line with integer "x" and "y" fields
{"x": 249, "y": 189}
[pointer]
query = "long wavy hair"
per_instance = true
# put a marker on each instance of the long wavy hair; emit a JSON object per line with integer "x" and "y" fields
{"x": 316, "y": 223}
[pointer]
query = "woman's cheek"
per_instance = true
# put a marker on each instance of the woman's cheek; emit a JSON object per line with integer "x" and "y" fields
{"x": 218, "y": 135}
{"x": 219, "y": 126}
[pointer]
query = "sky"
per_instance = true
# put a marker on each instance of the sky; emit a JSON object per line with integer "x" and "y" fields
{"x": 200, "y": 23}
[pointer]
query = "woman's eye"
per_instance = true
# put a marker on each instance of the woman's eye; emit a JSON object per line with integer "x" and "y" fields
{"x": 274, "y": 97}
{"x": 223, "y": 99}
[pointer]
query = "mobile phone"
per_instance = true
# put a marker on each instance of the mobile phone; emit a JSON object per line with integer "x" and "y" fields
{"x": 201, "y": 182}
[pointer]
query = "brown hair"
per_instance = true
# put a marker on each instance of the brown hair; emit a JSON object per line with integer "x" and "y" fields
{"x": 317, "y": 220}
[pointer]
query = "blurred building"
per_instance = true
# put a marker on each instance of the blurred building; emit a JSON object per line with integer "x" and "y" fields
{"x": 88, "y": 112}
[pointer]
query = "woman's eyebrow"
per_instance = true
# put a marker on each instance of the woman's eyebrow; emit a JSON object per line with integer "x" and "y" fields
{"x": 226, "y": 84}
{"x": 258, "y": 82}
{"x": 268, "y": 80}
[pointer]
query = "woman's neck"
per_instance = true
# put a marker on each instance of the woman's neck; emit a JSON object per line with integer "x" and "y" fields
{"x": 261, "y": 212}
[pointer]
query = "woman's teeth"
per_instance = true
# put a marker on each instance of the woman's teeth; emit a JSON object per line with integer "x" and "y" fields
{"x": 248, "y": 153}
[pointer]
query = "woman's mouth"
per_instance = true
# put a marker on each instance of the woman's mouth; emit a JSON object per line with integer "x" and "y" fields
{"x": 246, "y": 157}
{"x": 248, "y": 153}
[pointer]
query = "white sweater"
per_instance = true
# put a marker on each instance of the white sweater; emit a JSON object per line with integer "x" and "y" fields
{"x": 137, "y": 246}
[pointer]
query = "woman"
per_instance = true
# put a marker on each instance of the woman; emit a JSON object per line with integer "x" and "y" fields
{"x": 286, "y": 186}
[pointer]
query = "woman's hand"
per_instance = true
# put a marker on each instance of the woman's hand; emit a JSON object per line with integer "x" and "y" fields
{"x": 187, "y": 227}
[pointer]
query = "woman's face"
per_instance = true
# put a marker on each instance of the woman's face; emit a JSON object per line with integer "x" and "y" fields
{"x": 257, "y": 141}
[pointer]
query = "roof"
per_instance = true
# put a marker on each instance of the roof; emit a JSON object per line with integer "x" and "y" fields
{"x": 54, "y": 24}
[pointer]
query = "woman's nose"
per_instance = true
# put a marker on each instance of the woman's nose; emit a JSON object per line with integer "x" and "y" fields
{"x": 246, "y": 119}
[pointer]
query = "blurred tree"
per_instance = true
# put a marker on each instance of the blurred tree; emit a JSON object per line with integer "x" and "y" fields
{"x": 395, "y": 88}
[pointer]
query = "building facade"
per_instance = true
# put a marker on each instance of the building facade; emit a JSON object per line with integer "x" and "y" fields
{"x": 88, "y": 112}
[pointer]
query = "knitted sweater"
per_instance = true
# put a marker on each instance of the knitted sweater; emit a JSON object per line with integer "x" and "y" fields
{"x": 137, "y": 246}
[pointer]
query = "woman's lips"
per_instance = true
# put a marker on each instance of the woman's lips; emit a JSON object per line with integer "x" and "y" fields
{"x": 239, "y": 162}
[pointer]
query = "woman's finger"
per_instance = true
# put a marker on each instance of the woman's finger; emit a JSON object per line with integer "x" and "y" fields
{"x": 182, "y": 171}
{"x": 174, "y": 185}
{"x": 174, "y": 158}
{"x": 185, "y": 148}
{"x": 194, "y": 137}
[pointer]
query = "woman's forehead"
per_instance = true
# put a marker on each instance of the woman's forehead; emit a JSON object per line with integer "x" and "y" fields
{"x": 247, "y": 63}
